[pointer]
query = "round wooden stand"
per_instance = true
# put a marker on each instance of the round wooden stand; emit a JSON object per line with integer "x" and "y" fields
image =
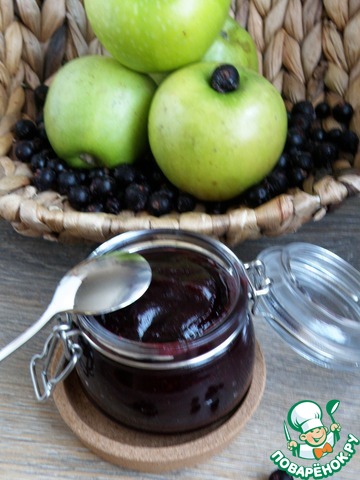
{"x": 146, "y": 452}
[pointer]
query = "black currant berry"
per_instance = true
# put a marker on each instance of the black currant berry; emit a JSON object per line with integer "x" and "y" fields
{"x": 296, "y": 176}
{"x": 136, "y": 196}
{"x": 325, "y": 153}
{"x": 280, "y": 475}
{"x": 102, "y": 187}
{"x": 334, "y": 135}
{"x": 124, "y": 175}
{"x": 225, "y": 79}
{"x": 277, "y": 182}
{"x": 159, "y": 203}
{"x": 349, "y": 142}
{"x": 295, "y": 138}
{"x": 113, "y": 205}
{"x": 83, "y": 176}
{"x": 303, "y": 107}
{"x": 79, "y": 197}
{"x": 343, "y": 112}
{"x": 301, "y": 121}
{"x": 38, "y": 161}
{"x": 56, "y": 164}
{"x": 44, "y": 179}
{"x": 66, "y": 180}
{"x": 303, "y": 160}
{"x": 318, "y": 135}
{"x": 170, "y": 190}
{"x": 284, "y": 161}
{"x": 322, "y": 110}
{"x": 25, "y": 130}
{"x": 24, "y": 150}
{"x": 185, "y": 202}
{"x": 96, "y": 172}
{"x": 257, "y": 195}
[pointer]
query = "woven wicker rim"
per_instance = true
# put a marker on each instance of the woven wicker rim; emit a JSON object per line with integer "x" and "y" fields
{"x": 309, "y": 49}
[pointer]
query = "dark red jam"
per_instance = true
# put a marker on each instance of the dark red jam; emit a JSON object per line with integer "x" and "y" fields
{"x": 195, "y": 311}
{"x": 187, "y": 296}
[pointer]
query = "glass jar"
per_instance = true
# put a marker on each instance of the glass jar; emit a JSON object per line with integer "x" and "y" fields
{"x": 309, "y": 295}
{"x": 196, "y": 366}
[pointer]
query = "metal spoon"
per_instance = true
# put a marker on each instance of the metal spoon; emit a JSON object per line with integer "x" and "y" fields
{"x": 100, "y": 284}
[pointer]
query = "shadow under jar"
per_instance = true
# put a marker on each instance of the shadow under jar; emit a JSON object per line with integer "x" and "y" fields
{"x": 182, "y": 356}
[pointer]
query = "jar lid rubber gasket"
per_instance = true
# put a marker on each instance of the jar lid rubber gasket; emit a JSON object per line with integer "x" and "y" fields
{"x": 313, "y": 303}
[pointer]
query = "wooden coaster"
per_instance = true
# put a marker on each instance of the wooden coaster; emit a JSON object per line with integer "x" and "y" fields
{"x": 152, "y": 453}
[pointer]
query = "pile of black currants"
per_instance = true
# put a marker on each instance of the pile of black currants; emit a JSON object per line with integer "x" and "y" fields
{"x": 138, "y": 187}
{"x": 143, "y": 187}
{"x": 308, "y": 149}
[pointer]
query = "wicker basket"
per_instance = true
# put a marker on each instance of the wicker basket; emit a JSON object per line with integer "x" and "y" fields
{"x": 307, "y": 49}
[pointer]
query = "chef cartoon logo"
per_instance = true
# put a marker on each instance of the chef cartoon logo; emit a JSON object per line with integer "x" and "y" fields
{"x": 315, "y": 439}
{"x": 310, "y": 437}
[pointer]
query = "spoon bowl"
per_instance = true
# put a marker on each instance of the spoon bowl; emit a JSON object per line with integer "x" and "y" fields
{"x": 98, "y": 285}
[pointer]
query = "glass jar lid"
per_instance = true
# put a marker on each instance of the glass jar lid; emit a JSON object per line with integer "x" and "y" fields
{"x": 314, "y": 303}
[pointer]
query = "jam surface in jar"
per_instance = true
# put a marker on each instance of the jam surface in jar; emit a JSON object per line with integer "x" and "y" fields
{"x": 195, "y": 312}
{"x": 187, "y": 296}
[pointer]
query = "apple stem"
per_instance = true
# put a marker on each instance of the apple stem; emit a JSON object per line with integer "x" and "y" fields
{"x": 225, "y": 79}
{"x": 88, "y": 159}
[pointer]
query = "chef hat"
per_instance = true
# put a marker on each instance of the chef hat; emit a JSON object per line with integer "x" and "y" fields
{"x": 304, "y": 416}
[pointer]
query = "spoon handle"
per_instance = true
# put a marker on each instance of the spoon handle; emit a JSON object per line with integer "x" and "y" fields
{"x": 62, "y": 301}
{"x": 28, "y": 334}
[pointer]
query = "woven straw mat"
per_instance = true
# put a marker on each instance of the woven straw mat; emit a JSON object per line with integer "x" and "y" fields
{"x": 309, "y": 49}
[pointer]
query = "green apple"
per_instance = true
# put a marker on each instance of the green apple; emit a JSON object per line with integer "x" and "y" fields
{"x": 156, "y": 35}
{"x": 216, "y": 145}
{"x": 96, "y": 112}
{"x": 233, "y": 45}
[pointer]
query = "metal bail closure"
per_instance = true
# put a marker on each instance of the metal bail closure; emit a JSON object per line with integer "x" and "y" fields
{"x": 45, "y": 373}
{"x": 258, "y": 282}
